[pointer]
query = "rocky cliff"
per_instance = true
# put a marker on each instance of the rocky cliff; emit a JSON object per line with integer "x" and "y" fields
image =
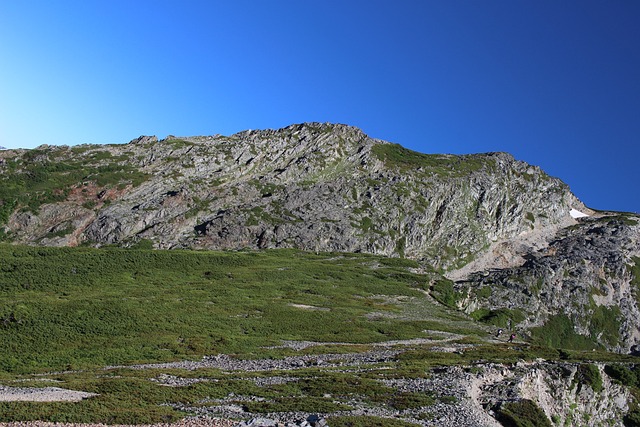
{"x": 312, "y": 186}
{"x": 579, "y": 290}
{"x": 568, "y": 394}
{"x": 501, "y": 229}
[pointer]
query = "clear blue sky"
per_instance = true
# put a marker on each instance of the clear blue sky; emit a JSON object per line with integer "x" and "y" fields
{"x": 555, "y": 83}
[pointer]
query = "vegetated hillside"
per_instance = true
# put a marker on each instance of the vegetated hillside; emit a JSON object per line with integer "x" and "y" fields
{"x": 78, "y": 307}
{"x": 501, "y": 229}
{"x": 279, "y": 334}
{"x": 395, "y": 268}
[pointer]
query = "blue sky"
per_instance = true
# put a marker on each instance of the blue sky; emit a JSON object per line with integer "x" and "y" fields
{"x": 557, "y": 84}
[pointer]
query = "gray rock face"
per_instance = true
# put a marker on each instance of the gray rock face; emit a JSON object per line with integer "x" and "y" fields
{"x": 557, "y": 389}
{"x": 585, "y": 274}
{"x": 313, "y": 186}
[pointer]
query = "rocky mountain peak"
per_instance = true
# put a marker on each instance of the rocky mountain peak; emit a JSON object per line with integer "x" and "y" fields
{"x": 315, "y": 186}
{"x": 307, "y": 129}
{"x": 144, "y": 139}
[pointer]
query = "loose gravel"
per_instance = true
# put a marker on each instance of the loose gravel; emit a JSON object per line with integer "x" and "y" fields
{"x": 43, "y": 394}
{"x": 457, "y": 408}
{"x": 188, "y": 422}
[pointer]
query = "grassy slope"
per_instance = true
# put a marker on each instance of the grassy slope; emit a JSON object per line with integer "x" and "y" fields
{"x": 75, "y": 308}
{"x": 84, "y": 308}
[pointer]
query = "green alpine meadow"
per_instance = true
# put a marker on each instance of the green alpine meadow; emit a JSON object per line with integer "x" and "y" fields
{"x": 310, "y": 274}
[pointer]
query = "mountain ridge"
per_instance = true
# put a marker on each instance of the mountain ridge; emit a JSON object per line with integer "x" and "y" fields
{"x": 326, "y": 157}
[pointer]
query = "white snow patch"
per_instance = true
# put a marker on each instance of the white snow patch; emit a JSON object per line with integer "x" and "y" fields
{"x": 577, "y": 214}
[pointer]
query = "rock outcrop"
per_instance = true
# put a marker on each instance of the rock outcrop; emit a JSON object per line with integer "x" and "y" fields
{"x": 312, "y": 186}
{"x": 583, "y": 284}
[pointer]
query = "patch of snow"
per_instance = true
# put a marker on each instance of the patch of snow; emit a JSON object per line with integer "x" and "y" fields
{"x": 577, "y": 214}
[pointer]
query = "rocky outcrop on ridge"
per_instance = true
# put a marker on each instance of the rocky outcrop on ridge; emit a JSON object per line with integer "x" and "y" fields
{"x": 312, "y": 186}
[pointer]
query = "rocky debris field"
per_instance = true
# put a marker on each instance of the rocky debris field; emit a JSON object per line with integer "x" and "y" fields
{"x": 461, "y": 395}
{"x": 312, "y": 421}
{"x": 455, "y": 405}
{"x": 45, "y": 394}
{"x": 450, "y": 384}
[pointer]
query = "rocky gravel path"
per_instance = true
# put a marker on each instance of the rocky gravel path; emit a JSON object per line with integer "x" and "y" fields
{"x": 227, "y": 363}
{"x": 382, "y": 352}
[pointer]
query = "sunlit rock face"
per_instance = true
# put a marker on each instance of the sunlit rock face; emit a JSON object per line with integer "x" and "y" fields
{"x": 313, "y": 186}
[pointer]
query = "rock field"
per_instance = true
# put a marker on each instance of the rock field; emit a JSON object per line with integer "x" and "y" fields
{"x": 464, "y": 395}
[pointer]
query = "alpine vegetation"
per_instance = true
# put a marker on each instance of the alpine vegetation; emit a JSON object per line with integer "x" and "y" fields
{"x": 310, "y": 274}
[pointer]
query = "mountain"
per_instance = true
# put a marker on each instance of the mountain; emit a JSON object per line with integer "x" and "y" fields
{"x": 312, "y": 186}
{"x": 387, "y": 237}
{"x": 2, "y": 148}
{"x": 505, "y": 242}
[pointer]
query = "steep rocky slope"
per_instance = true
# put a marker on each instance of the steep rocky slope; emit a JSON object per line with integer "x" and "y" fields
{"x": 580, "y": 290}
{"x": 498, "y": 238}
{"x": 312, "y": 186}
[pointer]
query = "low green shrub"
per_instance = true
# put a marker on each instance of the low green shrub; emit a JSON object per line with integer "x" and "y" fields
{"x": 635, "y": 277}
{"x": 443, "y": 292}
{"x": 632, "y": 419}
{"x": 351, "y": 421}
{"x": 502, "y": 317}
{"x": 589, "y": 374}
{"x": 605, "y": 324}
{"x": 522, "y": 413}
{"x": 624, "y": 374}
{"x": 64, "y": 308}
{"x": 405, "y": 400}
{"x": 559, "y": 332}
{"x": 396, "y": 156}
